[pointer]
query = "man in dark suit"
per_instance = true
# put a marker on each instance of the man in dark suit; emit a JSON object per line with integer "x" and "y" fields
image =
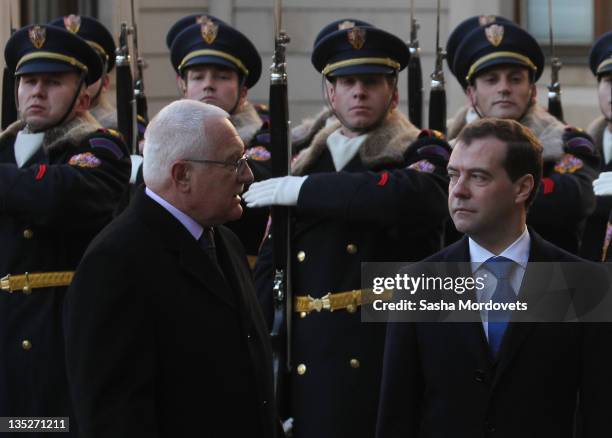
{"x": 163, "y": 331}
{"x": 496, "y": 378}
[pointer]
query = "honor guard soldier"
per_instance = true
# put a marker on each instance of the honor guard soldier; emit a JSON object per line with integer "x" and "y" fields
{"x": 217, "y": 64}
{"x": 600, "y": 61}
{"x": 61, "y": 175}
{"x": 498, "y": 65}
{"x": 363, "y": 190}
{"x": 101, "y": 40}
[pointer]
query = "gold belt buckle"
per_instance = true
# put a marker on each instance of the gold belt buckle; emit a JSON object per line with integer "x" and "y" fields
{"x": 319, "y": 304}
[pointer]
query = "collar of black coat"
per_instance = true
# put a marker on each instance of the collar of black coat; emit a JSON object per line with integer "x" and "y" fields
{"x": 384, "y": 145}
{"x": 69, "y": 134}
{"x": 247, "y": 122}
{"x": 547, "y": 128}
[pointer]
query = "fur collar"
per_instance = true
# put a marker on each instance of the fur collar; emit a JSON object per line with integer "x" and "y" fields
{"x": 547, "y": 128}
{"x": 384, "y": 146}
{"x": 302, "y": 135}
{"x": 69, "y": 134}
{"x": 247, "y": 122}
{"x": 596, "y": 130}
{"x": 105, "y": 113}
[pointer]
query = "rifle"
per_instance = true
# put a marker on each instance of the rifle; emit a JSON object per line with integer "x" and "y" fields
{"x": 9, "y": 108}
{"x": 554, "y": 88}
{"x": 415, "y": 74}
{"x": 437, "y": 93}
{"x": 139, "y": 94}
{"x": 126, "y": 105}
{"x": 280, "y": 334}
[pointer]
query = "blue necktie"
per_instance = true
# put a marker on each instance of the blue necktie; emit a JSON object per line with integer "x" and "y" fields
{"x": 500, "y": 267}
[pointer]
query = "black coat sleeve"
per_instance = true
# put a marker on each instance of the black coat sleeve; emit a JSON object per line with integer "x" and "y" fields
{"x": 385, "y": 198}
{"x": 75, "y": 189}
{"x": 566, "y": 192}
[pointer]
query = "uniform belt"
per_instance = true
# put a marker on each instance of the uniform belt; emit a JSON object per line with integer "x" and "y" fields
{"x": 349, "y": 300}
{"x": 26, "y": 282}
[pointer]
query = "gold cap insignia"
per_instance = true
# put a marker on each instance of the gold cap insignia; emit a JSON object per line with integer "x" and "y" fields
{"x": 483, "y": 20}
{"x": 495, "y": 34}
{"x": 72, "y": 23}
{"x": 37, "y": 35}
{"x": 346, "y": 25}
{"x": 357, "y": 37}
{"x": 209, "y": 30}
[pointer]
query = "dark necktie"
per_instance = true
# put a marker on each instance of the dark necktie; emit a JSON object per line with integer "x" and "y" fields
{"x": 500, "y": 267}
{"x": 207, "y": 243}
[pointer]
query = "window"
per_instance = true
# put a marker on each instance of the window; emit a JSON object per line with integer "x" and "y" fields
{"x": 576, "y": 24}
{"x": 43, "y": 11}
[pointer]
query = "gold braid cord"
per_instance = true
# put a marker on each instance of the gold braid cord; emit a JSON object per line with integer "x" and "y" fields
{"x": 349, "y": 300}
{"x": 27, "y": 282}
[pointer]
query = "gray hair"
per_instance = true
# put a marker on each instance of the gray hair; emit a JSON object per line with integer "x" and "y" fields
{"x": 175, "y": 133}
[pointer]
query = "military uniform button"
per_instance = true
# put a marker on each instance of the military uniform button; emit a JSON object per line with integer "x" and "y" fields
{"x": 265, "y": 402}
{"x": 479, "y": 376}
{"x": 355, "y": 363}
{"x": 26, "y": 345}
{"x": 28, "y": 234}
{"x": 303, "y": 314}
{"x": 301, "y": 256}
{"x": 351, "y": 248}
{"x": 351, "y": 308}
{"x": 301, "y": 369}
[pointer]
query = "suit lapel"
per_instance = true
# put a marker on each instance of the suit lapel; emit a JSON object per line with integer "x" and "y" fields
{"x": 175, "y": 238}
{"x": 472, "y": 333}
{"x": 236, "y": 272}
{"x": 195, "y": 261}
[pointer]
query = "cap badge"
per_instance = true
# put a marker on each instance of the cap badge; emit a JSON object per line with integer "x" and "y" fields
{"x": 72, "y": 23}
{"x": 495, "y": 34}
{"x": 37, "y": 36}
{"x": 346, "y": 25}
{"x": 483, "y": 20}
{"x": 357, "y": 37}
{"x": 209, "y": 30}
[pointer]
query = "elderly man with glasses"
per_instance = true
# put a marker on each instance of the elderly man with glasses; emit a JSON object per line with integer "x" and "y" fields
{"x": 162, "y": 311}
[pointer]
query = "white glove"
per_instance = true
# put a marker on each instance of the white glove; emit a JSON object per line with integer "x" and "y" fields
{"x": 274, "y": 191}
{"x": 602, "y": 186}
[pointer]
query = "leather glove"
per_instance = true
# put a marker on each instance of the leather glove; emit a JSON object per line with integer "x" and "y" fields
{"x": 602, "y": 186}
{"x": 274, "y": 191}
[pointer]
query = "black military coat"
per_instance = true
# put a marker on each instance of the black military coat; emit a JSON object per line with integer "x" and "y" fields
{"x": 365, "y": 213}
{"x": 158, "y": 342}
{"x": 50, "y": 209}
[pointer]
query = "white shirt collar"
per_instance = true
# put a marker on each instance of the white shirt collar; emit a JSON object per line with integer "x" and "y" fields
{"x": 343, "y": 148}
{"x": 26, "y": 145}
{"x": 194, "y": 228}
{"x": 518, "y": 252}
{"x": 471, "y": 115}
{"x": 607, "y": 145}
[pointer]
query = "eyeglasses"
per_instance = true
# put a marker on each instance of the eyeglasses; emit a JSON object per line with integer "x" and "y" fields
{"x": 239, "y": 166}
